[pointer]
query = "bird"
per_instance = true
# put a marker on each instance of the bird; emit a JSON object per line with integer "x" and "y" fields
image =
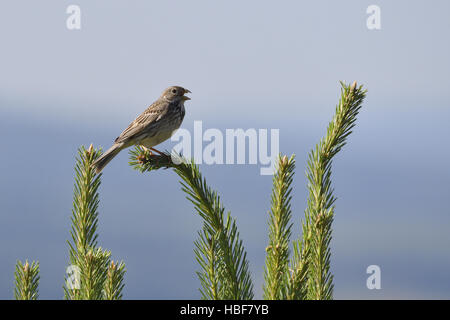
{"x": 154, "y": 126}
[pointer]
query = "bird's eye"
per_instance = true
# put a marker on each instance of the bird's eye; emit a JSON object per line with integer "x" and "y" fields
{"x": 174, "y": 90}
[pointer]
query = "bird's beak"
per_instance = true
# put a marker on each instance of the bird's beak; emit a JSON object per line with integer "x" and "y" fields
{"x": 185, "y": 97}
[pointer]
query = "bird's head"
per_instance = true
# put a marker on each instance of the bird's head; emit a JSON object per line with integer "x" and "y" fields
{"x": 175, "y": 93}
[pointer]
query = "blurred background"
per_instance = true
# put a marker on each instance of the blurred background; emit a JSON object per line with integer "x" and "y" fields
{"x": 252, "y": 64}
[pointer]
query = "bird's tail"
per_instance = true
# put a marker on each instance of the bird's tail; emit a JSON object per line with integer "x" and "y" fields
{"x": 106, "y": 157}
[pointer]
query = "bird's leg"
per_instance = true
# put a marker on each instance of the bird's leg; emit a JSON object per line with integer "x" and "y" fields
{"x": 159, "y": 152}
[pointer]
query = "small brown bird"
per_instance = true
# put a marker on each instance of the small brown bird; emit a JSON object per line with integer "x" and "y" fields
{"x": 153, "y": 126}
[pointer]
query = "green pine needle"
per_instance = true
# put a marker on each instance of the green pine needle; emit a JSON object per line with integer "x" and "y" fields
{"x": 26, "y": 281}
{"x": 113, "y": 285}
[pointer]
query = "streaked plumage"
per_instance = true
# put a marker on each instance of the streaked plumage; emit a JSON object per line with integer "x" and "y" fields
{"x": 152, "y": 127}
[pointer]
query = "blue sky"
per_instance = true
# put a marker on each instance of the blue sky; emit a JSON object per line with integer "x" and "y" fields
{"x": 257, "y": 64}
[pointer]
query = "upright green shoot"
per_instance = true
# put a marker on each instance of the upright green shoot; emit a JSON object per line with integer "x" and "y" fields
{"x": 114, "y": 281}
{"x": 277, "y": 257}
{"x": 92, "y": 275}
{"x": 26, "y": 281}
{"x": 320, "y": 206}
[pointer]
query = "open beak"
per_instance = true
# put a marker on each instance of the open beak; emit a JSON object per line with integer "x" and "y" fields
{"x": 185, "y": 97}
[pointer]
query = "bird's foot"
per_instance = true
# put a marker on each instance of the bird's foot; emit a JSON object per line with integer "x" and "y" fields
{"x": 147, "y": 150}
{"x": 142, "y": 159}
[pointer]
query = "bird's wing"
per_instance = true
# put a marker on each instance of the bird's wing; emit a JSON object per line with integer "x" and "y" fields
{"x": 144, "y": 122}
